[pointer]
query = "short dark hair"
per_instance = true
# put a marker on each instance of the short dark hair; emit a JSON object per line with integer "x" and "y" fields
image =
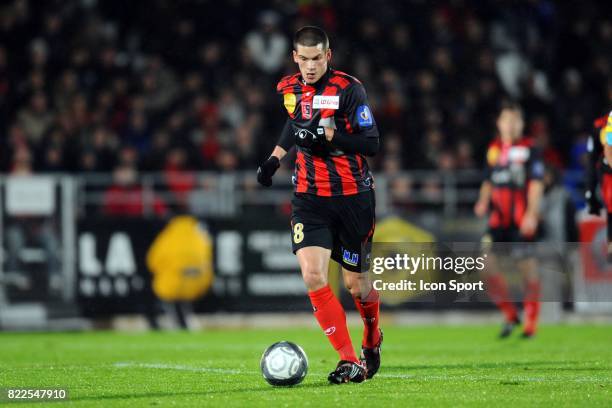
{"x": 511, "y": 106}
{"x": 310, "y": 36}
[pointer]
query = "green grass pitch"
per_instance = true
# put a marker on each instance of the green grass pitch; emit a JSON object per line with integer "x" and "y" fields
{"x": 422, "y": 366}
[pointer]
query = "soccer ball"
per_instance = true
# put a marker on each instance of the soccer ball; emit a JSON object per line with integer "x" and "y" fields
{"x": 284, "y": 363}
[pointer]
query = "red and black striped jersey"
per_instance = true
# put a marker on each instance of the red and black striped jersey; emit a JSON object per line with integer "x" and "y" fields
{"x": 510, "y": 168}
{"x": 603, "y": 129}
{"x": 337, "y": 100}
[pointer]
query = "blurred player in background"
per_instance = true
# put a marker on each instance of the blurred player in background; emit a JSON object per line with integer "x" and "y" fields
{"x": 333, "y": 205}
{"x": 511, "y": 195}
{"x": 600, "y": 172}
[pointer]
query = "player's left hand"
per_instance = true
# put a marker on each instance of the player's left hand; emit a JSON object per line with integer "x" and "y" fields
{"x": 529, "y": 225}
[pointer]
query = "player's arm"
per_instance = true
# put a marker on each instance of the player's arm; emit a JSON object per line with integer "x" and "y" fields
{"x": 269, "y": 167}
{"x": 595, "y": 147}
{"x": 285, "y": 142}
{"x": 608, "y": 137}
{"x": 608, "y": 152}
{"x": 365, "y": 136}
{"x": 484, "y": 198}
{"x": 535, "y": 191}
{"x": 486, "y": 189}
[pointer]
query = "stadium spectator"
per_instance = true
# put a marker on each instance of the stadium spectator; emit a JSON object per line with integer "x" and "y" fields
{"x": 267, "y": 46}
{"x": 126, "y": 197}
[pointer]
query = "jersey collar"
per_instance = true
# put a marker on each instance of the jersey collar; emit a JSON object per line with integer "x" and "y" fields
{"x": 321, "y": 81}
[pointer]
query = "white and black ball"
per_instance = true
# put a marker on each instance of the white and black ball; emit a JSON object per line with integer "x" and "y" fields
{"x": 284, "y": 364}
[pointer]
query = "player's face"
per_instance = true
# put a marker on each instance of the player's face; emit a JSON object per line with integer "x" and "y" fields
{"x": 510, "y": 124}
{"x": 312, "y": 61}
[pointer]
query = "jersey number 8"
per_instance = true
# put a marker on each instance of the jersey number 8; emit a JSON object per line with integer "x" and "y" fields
{"x": 298, "y": 232}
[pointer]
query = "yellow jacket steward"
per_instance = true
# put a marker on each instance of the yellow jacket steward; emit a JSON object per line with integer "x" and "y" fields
{"x": 181, "y": 260}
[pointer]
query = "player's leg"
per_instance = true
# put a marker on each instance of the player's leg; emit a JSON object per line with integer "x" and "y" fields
{"x": 352, "y": 248}
{"x": 497, "y": 286}
{"x": 328, "y": 311}
{"x": 312, "y": 240}
{"x": 609, "y": 232}
{"x": 352, "y": 251}
{"x": 531, "y": 300}
{"x": 314, "y": 264}
{"x": 606, "y": 192}
{"x": 368, "y": 304}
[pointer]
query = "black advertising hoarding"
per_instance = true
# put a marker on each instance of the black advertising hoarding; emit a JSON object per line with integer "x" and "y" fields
{"x": 255, "y": 269}
{"x": 111, "y": 270}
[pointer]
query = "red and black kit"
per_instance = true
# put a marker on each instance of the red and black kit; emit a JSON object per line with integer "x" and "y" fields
{"x": 336, "y": 100}
{"x": 599, "y": 172}
{"x": 511, "y": 167}
{"x": 333, "y": 204}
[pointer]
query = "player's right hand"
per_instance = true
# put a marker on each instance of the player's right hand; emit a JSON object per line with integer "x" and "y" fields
{"x": 593, "y": 204}
{"x": 266, "y": 170}
{"x": 481, "y": 208}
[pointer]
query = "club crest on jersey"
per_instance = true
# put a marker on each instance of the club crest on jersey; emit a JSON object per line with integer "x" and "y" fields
{"x": 289, "y": 101}
{"x": 306, "y": 110}
{"x": 493, "y": 155}
{"x": 326, "y": 102}
{"x": 364, "y": 116}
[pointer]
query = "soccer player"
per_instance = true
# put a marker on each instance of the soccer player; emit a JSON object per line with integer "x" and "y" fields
{"x": 600, "y": 157}
{"x": 332, "y": 126}
{"x": 511, "y": 195}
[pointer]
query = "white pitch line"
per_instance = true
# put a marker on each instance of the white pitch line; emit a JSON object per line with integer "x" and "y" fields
{"x": 179, "y": 367}
{"x": 162, "y": 366}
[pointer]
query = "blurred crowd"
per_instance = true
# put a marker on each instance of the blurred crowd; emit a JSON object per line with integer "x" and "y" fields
{"x": 169, "y": 86}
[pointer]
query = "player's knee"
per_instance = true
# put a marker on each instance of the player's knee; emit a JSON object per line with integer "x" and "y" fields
{"x": 313, "y": 277}
{"x": 354, "y": 290}
{"x": 354, "y": 286}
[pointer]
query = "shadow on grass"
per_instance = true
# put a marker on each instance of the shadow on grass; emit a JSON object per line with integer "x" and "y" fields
{"x": 262, "y": 388}
{"x": 527, "y": 365}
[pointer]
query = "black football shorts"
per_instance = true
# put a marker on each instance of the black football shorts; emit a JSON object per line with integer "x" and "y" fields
{"x": 511, "y": 240}
{"x": 344, "y": 224}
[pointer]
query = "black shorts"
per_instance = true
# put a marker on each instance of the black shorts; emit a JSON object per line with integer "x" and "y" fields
{"x": 509, "y": 235}
{"x": 344, "y": 224}
{"x": 512, "y": 241}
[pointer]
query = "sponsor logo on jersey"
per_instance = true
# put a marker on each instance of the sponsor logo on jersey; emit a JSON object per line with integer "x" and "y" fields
{"x": 364, "y": 116}
{"x": 502, "y": 176}
{"x": 326, "y": 102}
{"x": 289, "y": 101}
{"x": 302, "y": 134}
{"x": 306, "y": 110}
{"x": 518, "y": 154}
